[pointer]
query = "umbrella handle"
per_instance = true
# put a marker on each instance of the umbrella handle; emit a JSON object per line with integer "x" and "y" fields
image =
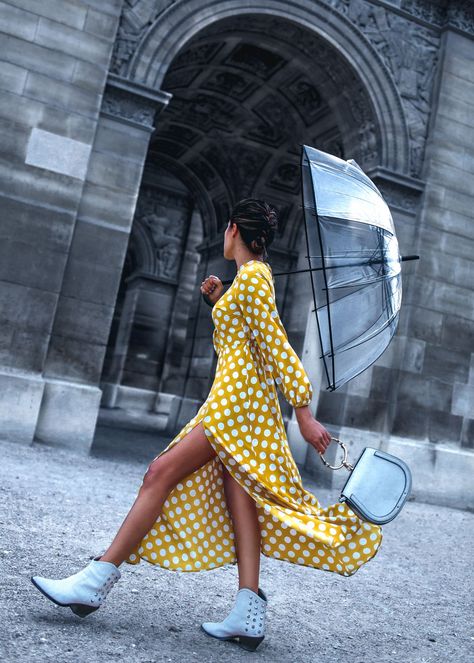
{"x": 344, "y": 462}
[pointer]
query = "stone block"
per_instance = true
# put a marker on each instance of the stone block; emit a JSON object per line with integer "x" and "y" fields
{"x": 463, "y": 400}
{"x": 29, "y": 265}
{"x": 426, "y": 325}
{"x": 34, "y": 57}
{"x": 30, "y": 113}
{"x": 446, "y": 364}
{"x": 458, "y": 333}
{"x": 459, "y": 67}
{"x": 121, "y": 140}
{"x": 444, "y": 427}
{"x": 410, "y": 421}
{"x": 62, "y": 94}
{"x": 82, "y": 320}
{"x": 68, "y": 415}
{"x": 365, "y": 413}
{"x": 12, "y": 77}
{"x": 79, "y": 44}
{"x": 15, "y": 21}
{"x": 22, "y": 349}
{"x": 443, "y": 297}
{"x": 91, "y": 282}
{"x": 115, "y": 208}
{"x": 113, "y": 7}
{"x": 68, "y": 12}
{"x": 43, "y": 227}
{"x": 450, "y": 222}
{"x": 111, "y": 172}
{"x": 452, "y": 177}
{"x": 414, "y": 390}
{"x": 405, "y": 352}
{"x": 26, "y": 307}
{"x": 455, "y": 109}
{"x": 446, "y": 268}
{"x": 43, "y": 186}
{"x": 383, "y": 379}
{"x": 92, "y": 242}
{"x": 440, "y": 395}
{"x": 331, "y": 407}
{"x": 360, "y": 384}
{"x": 19, "y": 405}
{"x": 89, "y": 76}
{"x": 102, "y": 24}
{"x": 73, "y": 359}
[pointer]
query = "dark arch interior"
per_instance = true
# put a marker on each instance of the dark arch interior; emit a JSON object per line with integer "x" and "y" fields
{"x": 247, "y": 92}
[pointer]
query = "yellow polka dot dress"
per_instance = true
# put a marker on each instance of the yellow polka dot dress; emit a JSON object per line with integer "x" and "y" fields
{"x": 243, "y": 423}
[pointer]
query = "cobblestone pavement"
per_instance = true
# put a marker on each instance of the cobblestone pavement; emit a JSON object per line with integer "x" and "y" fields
{"x": 411, "y": 604}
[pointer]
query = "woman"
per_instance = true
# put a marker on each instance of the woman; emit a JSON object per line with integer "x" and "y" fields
{"x": 227, "y": 488}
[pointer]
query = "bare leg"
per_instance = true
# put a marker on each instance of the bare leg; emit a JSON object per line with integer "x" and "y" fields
{"x": 189, "y": 454}
{"x": 246, "y": 531}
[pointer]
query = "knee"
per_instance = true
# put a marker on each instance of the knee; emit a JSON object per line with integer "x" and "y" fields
{"x": 159, "y": 475}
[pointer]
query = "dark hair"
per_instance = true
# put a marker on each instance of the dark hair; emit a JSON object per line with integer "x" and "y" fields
{"x": 257, "y": 222}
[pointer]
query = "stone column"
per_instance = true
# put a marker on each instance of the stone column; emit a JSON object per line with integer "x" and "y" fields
{"x": 89, "y": 288}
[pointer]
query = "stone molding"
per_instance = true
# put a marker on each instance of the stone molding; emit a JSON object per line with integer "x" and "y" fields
{"x": 132, "y": 102}
{"x": 399, "y": 191}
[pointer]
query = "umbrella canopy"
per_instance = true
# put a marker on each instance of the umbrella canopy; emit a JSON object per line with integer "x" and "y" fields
{"x": 354, "y": 264}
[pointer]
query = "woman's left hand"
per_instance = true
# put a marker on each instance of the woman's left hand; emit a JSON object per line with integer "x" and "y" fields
{"x": 315, "y": 434}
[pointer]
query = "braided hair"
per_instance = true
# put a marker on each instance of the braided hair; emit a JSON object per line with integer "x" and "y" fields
{"x": 257, "y": 222}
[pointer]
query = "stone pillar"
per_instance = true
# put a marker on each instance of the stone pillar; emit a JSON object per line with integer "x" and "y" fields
{"x": 94, "y": 265}
{"x": 436, "y": 403}
{"x": 55, "y": 58}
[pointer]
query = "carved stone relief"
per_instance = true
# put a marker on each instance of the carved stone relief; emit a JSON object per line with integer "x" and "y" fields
{"x": 409, "y": 50}
{"x": 121, "y": 104}
{"x": 165, "y": 215}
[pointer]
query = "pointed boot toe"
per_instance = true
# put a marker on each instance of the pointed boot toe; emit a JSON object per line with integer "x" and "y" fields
{"x": 85, "y": 591}
{"x": 245, "y": 623}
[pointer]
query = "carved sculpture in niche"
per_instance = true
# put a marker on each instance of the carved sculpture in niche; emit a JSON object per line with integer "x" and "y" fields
{"x": 166, "y": 222}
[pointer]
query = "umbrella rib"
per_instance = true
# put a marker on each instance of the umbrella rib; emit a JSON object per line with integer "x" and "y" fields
{"x": 303, "y": 155}
{"x": 325, "y": 280}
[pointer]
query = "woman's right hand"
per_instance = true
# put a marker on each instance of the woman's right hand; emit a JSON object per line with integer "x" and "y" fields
{"x": 212, "y": 287}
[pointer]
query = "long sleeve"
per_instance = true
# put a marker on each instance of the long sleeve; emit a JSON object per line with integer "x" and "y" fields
{"x": 256, "y": 301}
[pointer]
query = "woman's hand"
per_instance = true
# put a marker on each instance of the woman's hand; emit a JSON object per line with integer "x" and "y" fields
{"x": 212, "y": 287}
{"x": 314, "y": 432}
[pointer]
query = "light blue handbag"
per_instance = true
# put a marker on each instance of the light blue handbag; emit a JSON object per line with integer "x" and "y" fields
{"x": 378, "y": 485}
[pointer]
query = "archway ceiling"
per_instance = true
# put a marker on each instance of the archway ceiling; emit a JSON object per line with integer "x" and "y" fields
{"x": 245, "y": 97}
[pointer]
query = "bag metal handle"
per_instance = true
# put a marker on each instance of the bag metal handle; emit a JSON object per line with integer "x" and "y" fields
{"x": 344, "y": 462}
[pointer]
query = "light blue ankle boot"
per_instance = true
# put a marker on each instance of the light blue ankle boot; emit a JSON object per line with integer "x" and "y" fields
{"x": 84, "y": 591}
{"x": 246, "y": 621}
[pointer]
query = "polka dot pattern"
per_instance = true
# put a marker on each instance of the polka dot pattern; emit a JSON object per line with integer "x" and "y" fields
{"x": 242, "y": 421}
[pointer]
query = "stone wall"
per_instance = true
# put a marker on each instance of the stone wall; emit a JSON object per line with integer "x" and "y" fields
{"x": 55, "y": 57}
{"x": 437, "y": 400}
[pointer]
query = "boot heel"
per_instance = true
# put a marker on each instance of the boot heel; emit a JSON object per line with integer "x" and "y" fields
{"x": 249, "y": 643}
{"x": 82, "y": 610}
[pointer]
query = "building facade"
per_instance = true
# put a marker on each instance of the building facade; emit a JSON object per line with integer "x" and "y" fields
{"x": 130, "y": 128}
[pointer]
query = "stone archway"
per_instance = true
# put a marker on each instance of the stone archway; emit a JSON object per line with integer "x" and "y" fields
{"x": 147, "y": 54}
{"x": 247, "y": 85}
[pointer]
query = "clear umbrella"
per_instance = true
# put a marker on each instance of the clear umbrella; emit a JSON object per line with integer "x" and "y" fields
{"x": 354, "y": 264}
